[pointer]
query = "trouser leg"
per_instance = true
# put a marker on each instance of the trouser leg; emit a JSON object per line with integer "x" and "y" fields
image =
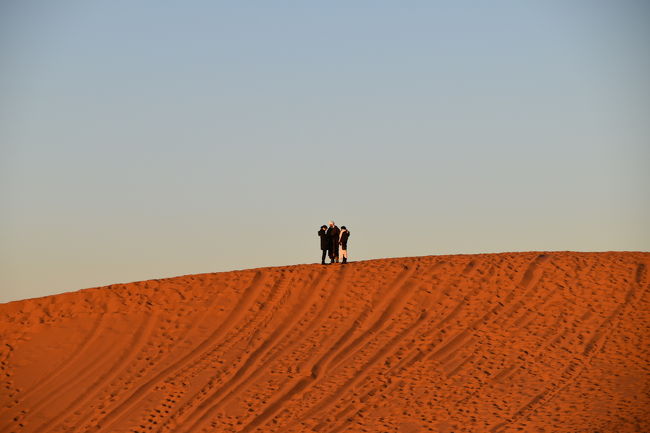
{"x": 322, "y": 260}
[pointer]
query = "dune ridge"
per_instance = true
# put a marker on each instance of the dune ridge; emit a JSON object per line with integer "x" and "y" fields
{"x": 510, "y": 342}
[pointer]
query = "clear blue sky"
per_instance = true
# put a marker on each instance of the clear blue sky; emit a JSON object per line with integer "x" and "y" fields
{"x": 151, "y": 139}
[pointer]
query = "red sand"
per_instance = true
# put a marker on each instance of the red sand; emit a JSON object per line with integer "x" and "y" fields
{"x": 532, "y": 342}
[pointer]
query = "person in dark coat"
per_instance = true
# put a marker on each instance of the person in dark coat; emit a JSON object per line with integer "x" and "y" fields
{"x": 343, "y": 242}
{"x": 333, "y": 233}
{"x": 324, "y": 242}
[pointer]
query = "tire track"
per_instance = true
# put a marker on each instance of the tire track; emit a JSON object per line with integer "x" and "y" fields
{"x": 417, "y": 354}
{"x": 244, "y": 336}
{"x": 62, "y": 370}
{"x": 528, "y": 283}
{"x": 238, "y": 334}
{"x": 506, "y": 337}
{"x": 244, "y": 375}
{"x": 362, "y": 373}
{"x": 579, "y": 363}
{"x": 332, "y": 300}
{"x": 140, "y": 338}
{"x": 526, "y": 279}
{"x": 321, "y": 367}
{"x": 441, "y": 348}
{"x": 76, "y": 355}
{"x": 421, "y": 354}
{"x": 350, "y": 350}
{"x": 436, "y": 349}
{"x": 454, "y": 369}
{"x": 606, "y": 327}
{"x": 640, "y": 273}
{"x": 102, "y": 362}
{"x": 83, "y": 422}
{"x": 271, "y": 304}
{"x": 245, "y": 302}
{"x": 529, "y": 280}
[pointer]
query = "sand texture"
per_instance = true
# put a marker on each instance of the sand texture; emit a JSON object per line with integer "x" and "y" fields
{"x": 513, "y": 342}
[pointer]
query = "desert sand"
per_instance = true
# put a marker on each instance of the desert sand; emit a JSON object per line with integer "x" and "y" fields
{"x": 514, "y": 342}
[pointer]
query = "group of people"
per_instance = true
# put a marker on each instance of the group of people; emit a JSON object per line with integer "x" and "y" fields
{"x": 331, "y": 239}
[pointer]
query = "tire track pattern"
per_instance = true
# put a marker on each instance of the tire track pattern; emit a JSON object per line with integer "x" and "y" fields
{"x": 494, "y": 343}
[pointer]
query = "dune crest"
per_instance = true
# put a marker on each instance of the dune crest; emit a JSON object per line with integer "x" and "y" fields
{"x": 534, "y": 342}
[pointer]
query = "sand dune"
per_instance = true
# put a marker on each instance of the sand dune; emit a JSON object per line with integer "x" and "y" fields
{"x": 517, "y": 342}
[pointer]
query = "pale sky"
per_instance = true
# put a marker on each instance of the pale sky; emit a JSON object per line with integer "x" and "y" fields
{"x": 148, "y": 139}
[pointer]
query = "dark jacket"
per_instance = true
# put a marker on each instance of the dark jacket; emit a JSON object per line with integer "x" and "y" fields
{"x": 324, "y": 240}
{"x": 345, "y": 234}
{"x": 333, "y": 235}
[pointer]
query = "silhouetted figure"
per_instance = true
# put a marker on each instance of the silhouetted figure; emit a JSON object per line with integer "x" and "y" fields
{"x": 324, "y": 242}
{"x": 333, "y": 233}
{"x": 343, "y": 242}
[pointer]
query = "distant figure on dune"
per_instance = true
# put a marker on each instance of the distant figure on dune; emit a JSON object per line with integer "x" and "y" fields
{"x": 343, "y": 242}
{"x": 331, "y": 239}
{"x": 324, "y": 242}
{"x": 333, "y": 233}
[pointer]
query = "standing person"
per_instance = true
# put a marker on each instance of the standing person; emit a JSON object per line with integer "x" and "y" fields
{"x": 324, "y": 242}
{"x": 333, "y": 233}
{"x": 345, "y": 234}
